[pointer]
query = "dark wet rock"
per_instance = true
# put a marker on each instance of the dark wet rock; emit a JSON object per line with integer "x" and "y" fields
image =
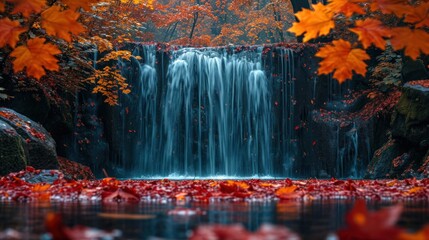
{"x": 414, "y": 70}
{"x": 40, "y": 144}
{"x": 395, "y": 159}
{"x": 44, "y": 176}
{"x": 380, "y": 165}
{"x": 74, "y": 171}
{"x": 411, "y": 116}
{"x": 12, "y": 150}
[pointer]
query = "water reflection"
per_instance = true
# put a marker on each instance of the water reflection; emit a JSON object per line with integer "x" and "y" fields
{"x": 312, "y": 220}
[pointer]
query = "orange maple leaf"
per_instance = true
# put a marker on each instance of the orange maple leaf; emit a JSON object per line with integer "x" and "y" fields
{"x": 371, "y": 31}
{"x": 415, "y": 41}
{"x": 61, "y": 23}
{"x": 423, "y": 234}
{"x": 9, "y": 32}
{"x": 35, "y": 57}
{"x": 397, "y": 7}
{"x": 348, "y": 7}
{"x": 418, "y": 15}
{"x": 76, "y": 4}
{"x": 313, "y": 23}
{"x": 1, "y": 6}
{"x": 341, "y": 59}
{"x": 27, "y": 7}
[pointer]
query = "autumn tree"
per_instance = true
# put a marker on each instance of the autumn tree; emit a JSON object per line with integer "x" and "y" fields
{"x": 367, "y": 26}
{"x": 38, "y": 37}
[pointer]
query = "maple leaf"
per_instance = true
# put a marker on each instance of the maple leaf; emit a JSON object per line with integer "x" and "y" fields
{"x": 26, "y": 7}
{"x": 9, "y": 32}
{"x": 423, "y": 234}
{"x": 341, "y": 58}
{"x": 286, "y": 192}
{"x": 371, "y": 31}
{"x": 397, "y": 7}
{"x": 418, "y": 15}
{"x": 1, "y": 6}
{"x": 76, "y": 4}
{"x": 363, "y": 224}
{"x": 415, "y": 41}
{"x": 35, "y": 57}
{"x": 61, "y": 23}
{"x": 313, "y": 23}
{"x": 345, "y": 6}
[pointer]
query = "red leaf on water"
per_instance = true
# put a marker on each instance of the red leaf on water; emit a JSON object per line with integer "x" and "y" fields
{"x": 371, "y": 225}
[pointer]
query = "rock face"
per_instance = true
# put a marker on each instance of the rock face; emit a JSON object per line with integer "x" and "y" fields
{"x": 406, "y": 153}
{"x": 28, "y": 136}
{"x": 12, "y": 150}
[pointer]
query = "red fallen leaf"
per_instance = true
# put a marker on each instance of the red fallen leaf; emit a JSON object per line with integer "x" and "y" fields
{"x": 231, "y": 186}
{"x": 120, "y": 195}
{"x": 286, "y": 192}
{"x": 365, "y": 225}
{"x": 238, "y": 232}
{"x": 54, "y": 225}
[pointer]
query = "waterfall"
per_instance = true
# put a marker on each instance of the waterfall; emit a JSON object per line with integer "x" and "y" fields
{"x": 238, "y": 112}
{"x": 211, "y": 115}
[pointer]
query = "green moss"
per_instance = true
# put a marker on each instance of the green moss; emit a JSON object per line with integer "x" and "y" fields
{"x": 12, "y": 154}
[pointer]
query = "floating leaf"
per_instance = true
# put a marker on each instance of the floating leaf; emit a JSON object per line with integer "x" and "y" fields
{"x": 313, "y": 23}
{"x": 9, "y": 32}
{"x": 61, "y": 23}
{"x": 35, "y": 57}
{"x": 371, "y": 31}
{"x": 341, "y": 59}
{"x": 415, "y": 41}
{"x": 363, "y": 224}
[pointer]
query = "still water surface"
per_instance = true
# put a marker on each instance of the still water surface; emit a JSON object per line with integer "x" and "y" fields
{"x": 312, "y": 220}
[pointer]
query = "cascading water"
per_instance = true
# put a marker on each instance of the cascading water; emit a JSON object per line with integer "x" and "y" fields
{"x": 216, "y": 116}
{"x": 228, "y": 112}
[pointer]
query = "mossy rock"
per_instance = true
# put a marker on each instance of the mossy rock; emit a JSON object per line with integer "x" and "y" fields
{"x": 12, "y": 150}
{"x": 41, "y": 146}
{"x": 410, "y": 119}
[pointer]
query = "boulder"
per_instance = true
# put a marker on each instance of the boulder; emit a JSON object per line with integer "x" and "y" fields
{"x": 410, "y": 119}
{"x": 12, "y": 150}
{"x": 413, "y": 70}
{"x": 40, "y": 144}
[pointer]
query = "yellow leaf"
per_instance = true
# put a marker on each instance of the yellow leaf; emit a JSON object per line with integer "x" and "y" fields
{"x": 371, "y": 31}
{"x": 418, "y": 15}
{"x": 35, "y": 57}
{"x": 27, "y": 7}
{"x": 415, "y": 41}
{"x": 345, "y": 6}
{"x": 341, "y": 59}
{"x": 61, "y": 23}
{"x": 9, "y": 32}
{"x": 313, "y": 23}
